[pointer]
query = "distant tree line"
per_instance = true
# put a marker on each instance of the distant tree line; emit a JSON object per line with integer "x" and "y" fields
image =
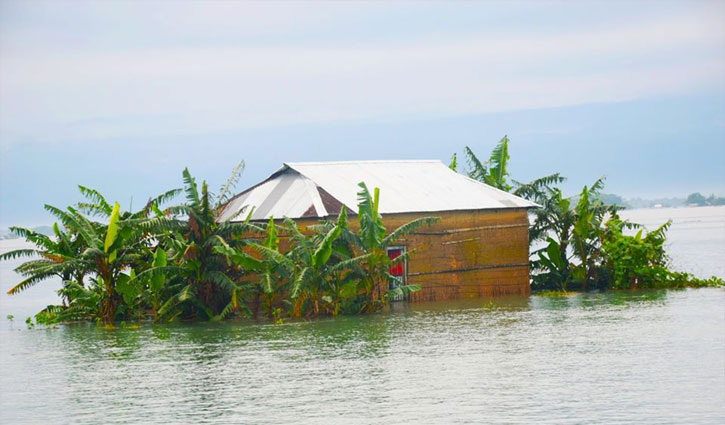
{"x": 700, "y": 200}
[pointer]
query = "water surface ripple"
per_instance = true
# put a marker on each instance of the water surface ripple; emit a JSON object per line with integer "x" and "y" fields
{"x": 655, "y": 357}
{"x": 645, "y": 357}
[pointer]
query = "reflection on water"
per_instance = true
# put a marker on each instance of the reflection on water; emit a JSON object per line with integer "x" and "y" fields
{"x": 655, "y": 357}
{"x": 619, "y": 357}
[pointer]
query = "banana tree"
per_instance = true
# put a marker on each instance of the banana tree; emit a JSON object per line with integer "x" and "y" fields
{"x": 554, "y": 219}
{"x": 110, "y": 249}
{"x": 555, "y": 267}
{"x": 270, "y": 275}
{"x": 373, "y": 242}
{"x": 52, "y": 258}
{"x": 638, "y": 261}
{"x": 537, "y": 190}
{"x": 97, "y": 205}
{"x": 146, "y": 292}
{"x": 589, "y": 213}
{"x": 494, "y": 172}
{"x": 204, "y": 284}
{"x": 312, "y": 276}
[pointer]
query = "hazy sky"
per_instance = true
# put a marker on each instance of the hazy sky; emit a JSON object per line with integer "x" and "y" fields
{"x": 122, "y": 95}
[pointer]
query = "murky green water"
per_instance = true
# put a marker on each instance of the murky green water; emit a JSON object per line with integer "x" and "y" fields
{"x": 648, "y": 357}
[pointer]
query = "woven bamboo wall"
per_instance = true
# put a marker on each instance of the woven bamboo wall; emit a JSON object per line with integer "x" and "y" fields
{"x": 468, "y": 254}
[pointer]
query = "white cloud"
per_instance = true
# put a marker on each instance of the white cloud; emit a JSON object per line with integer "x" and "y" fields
{"x": 92, "y": 94}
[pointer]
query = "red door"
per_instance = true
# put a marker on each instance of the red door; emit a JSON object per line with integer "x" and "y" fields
{"x": 396, "y": 269}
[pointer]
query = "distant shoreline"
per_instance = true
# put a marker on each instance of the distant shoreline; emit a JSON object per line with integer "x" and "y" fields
{"x": 5, "y": 233}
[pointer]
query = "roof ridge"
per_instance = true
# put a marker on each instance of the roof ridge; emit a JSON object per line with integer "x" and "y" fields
{"x": 407, "y": 186}
{"x": 373, "y": 161}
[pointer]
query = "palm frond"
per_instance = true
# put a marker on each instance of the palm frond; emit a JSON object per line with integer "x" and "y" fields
{"x": 165, "y": 197}
{"x": 239, "y": 212}
{"x": 84, "y": 227}
{"x": 112, "y": 229}
{"x": 92, "y": 209}
{"x": 153, "y": 272}
{"x": 230, "y": 228}
{"x": 230, "y": 184}
{"x": 454, "y": 163}
{"x": 324, "y": 250}
{"x": 476, "y": 169}
{"x": 372, "y": 231}
{"x": 295, "y": 233}
{"x": 38, "y": 239}
{"x": 92, "y": 252}
{"x": 179, "y": 210}
{"x": 535, "y": 190}
{"x": 266, "y": 283}
{"x": 18, "y": 253}
{"x": 408, "y": 228}
{"x": 364, "y": 200}
{"x": 222, "y": 280}
{"x": 29, "y": 282}
{"x": 191, "y": 190}
{"x": 597, "y": 185}
{"x": 158, "y": 224}
{"x": 298, "y": 283}
{"x": 346, "y": 264}
{"x": 40, "y": 266}
{"x": 660, "y": 232}
{"x": 226, "y": 311}
{"x": 101, "y": 205}
{"x": 498, "y": 165}
{"x": 170, "y": 306}
{"x": 63, "y": 216}
{"x": 273, "y": 256}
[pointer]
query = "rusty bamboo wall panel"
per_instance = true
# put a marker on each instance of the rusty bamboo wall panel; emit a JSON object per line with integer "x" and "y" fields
{"x": 467, "y": 254}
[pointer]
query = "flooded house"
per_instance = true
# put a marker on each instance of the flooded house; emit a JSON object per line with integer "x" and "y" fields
{"x": 479, "y": 248}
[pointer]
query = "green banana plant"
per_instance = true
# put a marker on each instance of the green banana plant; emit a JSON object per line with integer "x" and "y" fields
{"x": 110, "y": 249}
{"x": 555, "y": 265}
{"x": 147, "y": 291}
{"x": 199, "y": 275}
{"x": 372, "y": 242}
{"x": 494, "y": 172}
{"x": 51, "y": 258}
{"x": 311, "y": 272}
{"x": 271, "y": 273}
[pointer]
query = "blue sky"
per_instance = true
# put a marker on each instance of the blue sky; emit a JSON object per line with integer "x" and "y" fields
{"x": 122, "y": 95}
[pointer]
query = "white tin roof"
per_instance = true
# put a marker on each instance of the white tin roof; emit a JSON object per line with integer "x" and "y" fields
{"x": 317, "y": 189}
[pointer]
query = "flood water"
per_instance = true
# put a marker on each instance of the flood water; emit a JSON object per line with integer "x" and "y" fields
{"x": 621, "y": 357}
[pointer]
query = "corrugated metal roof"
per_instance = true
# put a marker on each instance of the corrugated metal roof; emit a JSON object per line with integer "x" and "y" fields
{"x": 316, "y": 189}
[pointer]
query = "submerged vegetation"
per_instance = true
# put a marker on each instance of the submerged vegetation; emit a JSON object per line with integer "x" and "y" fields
{"x": 181, "y": 262}
{"x": 580, "y": 242}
